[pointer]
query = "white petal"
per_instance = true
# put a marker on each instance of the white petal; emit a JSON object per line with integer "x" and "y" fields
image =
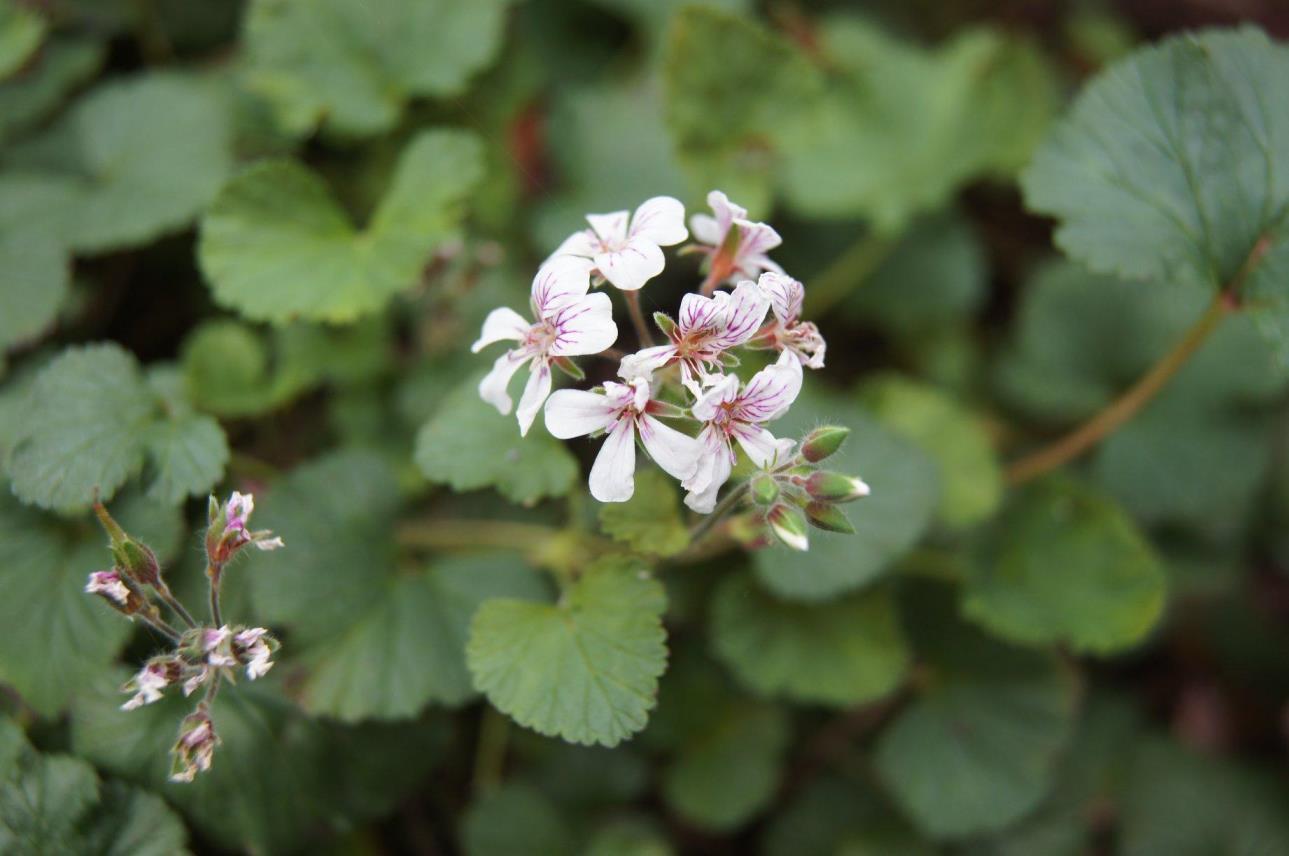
{"x": 705, "y": 229}
{"x": 675, "y": 452}
{"x": 718, "y": 465}
{"x": 581, "y": 243}
{"x": 535, "y": 392}
{"x": 492, "y": 388}
{"x": 756, "y": 239}
{"x": 559, "y": 282}
{"x": 785, "y": 294}
{"x": 613, "y": 473}
{"x": 661, "y": 220}
{"x": 761, "y": 446}
{"x": 644, "y": 363}
{"x": 723, "y": 390}
{"x": 726, "y": 211}
{"x": 698, "y": 312}
{"x": 743, "y": 315}
{"x": 632, "y": 266}
{"x": 771, "y": 391}
{"x": 584, "y": 326}
{"x": 611, "y": 228}
{"x": 576, "y": 412}
{"x": 501, "y": 324}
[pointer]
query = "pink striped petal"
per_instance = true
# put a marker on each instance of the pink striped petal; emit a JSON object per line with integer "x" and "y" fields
{"x": 699, "y": 313}
{"x": 761, "y": 446}
{"x": 645, "y": 362}
{"x": 726, "y": 211}
{"x": 631, "y": 267}
{"x": 613, "y": 473}
{"x": 661, "y": 220}
{"x": 709, "y": 402}
{"x": 535, "y": 392}
{"x": 675, "y": 452}
{"x": 771, "y": 391}
{"x": 743, "y": 314}
{"x": 785, "y": 293}
{"x": 576, "y": 412}
{"x": 559, "y": 282}
{"x": 610, "y": 228}
{"x": 756, "y": 239}
{"x": 584, "y": 326}
{"x": 501, "y": 324}
{"x": 492, "y": 388}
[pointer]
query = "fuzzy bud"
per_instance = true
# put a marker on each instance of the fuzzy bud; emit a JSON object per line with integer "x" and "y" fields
{"x": 823, "y": 442}
{"x": 116, "y": 590}
{"x": 829, "y": 517}
{"x": 134, "y": 558}
{"x": 195, "y": 748}
{"x": 666, "y": 324}
{"x": 789, "y": 526}
{"x": 765, "y": 490}
{"x": 835, "y": 487}
{"x": 227, "y": 532}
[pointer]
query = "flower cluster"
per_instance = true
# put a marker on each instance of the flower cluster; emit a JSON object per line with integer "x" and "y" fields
{"x": 689, "y": 378}
{"x": 201, "y": 655}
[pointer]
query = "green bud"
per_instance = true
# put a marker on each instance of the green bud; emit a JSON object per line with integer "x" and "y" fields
{"x": 823, "y": 442}
{"x": 835, "y": 487}
{"x": 665, "y": 324}
{"x": 828, "y": 516}
{"x": 789, "y": 526}
{"x": 765, "y": 490}
{"x": 133, "y": 557}
{"x": 213, "y": 509}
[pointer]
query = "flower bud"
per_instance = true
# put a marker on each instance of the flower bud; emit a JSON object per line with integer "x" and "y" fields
{"x": 835, "y": 487}
{"x": 253, "y": 647}
{"x": 227, "y": 531}
{"x": 789, "y": 526}
{"x": 827, "y": 516}
{"x": 116, "y": 590}
{"x": 823, "y": 442}
{"x": 151, "y": 681}
{"x": 666, "y": 324}
{"x": 765, "y": 490}
{"x": 193, "y": 751}
{"x": 133, "y": 557}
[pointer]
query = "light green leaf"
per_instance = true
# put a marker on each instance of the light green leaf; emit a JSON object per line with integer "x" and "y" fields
{"x": 842, "y": 653}
{"x": 650, "y": 521}
{"x": 516, "y": 820}
{"x": 21, "y": 32}
{"x": 971, "y": 478}
{"x": 467, "y": 444}
{"x": 335, "y": 515}
{"x": 132, "y": 160}
{"x": 63, "y": 65}
{"x": 585, "y": 669}
{"x": 1172, "y": 165}
{"x": 726, "y": 774}
{"x": 34, "y": 285}
{"x": 355, "y": 68}
{"x": 1064, "y": 564}
{"x": 978, "y": 749}
{"x": 905, "y": 490}
{"x": 408, "y": 649}
{"x": 276, "y": 245}
{"x": 188, "y": 451}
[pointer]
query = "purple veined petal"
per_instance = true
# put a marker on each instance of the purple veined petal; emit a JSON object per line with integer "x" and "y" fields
{"x": 675, "y": 452}
{"x": 761, "y": 446}
{"x": 581, "y": 243}
{"x": 717, "y": 463}
{"x": 492, "y": 388}
{"x": 610, "y": 228}
{"x": 785, "y": 293}
{"x": 698, "y": 313}
{"x": 560, "y": 281}
{"x": 771, "y": 391}
{"x": 726, "y": 211}
{"x": 709, "y": 402}
{"x": 756, "y": 239}
{"x": 613, "y": 475}
{"x": 743, "y": 315}
{"x": 535, "y": 392}
{"x": 500, "y": 325}
{"x": 629, "y": 268}
{"x": 644, "y": 363}
{"x": 660, "y": 220}
{"x": 705, "y": 229}
{"x": 584, "y": 326}
{"x": 576, "y": 412}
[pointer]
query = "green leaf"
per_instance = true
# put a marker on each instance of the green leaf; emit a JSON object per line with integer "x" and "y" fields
{"x": 905, "y": 490}
{"x": 515, "y": 820}
{"x": 21, "y": 32}
{"x": 727, "y": 773}
{"x": 978, "y": 749}
{"x": 467, "y": 444}
{"x": 132, "y": 160}
{"x": 842, "y": 653}
{"x": 585, "y": 669}
{"x": 408, "y": 649}
{"x": 1064, "y": 564}
{"x": 36, "y": 282}
{"x": 188, "y": 451}
{"x": 1170, "y": 167}
{"x": 131, "y": 822}
{"x": 970, "y": 475}
{"x": 355, "y": 68}
{"x": 335, "y": 515}
{"x": 629, "y": 836}
{"x": 833, "y": 816}
{"x": 63, "y": 65}
{"x": 41, "y": 803}
{"x": 650, "y": 521}
{"x": 276, "y": 245}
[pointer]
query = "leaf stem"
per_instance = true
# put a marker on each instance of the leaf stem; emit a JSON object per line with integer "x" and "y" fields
{"x": 847, "y": 272}
{"x": 168, "y": 598}
{"x": 161, "y": 626}
{"x": 213, "y": 573}
{"x": 722, "y": 509}
{"x": 637, "y": 318}
{"x": 490, "y": 754}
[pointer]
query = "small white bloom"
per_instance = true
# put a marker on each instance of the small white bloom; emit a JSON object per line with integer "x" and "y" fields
{"x": 627, "y": 250}
{"x": 195, "y": 680}
{"x": 622, "y": 410}
{"x": 745, "y": 258}
{"x": 237, "y": 534}
{"x": 150, "y": 683}
{"x": 569, "y": 323}
{"x": 790, "y": 333}
{"x": 730, "y": 415}
{"x": 252, "y": 648}
{"x": 110, "y": 585}
{"x": 195, "y": 748}
{"x": 706, "y": 329}
{"x": 214, "y": 644}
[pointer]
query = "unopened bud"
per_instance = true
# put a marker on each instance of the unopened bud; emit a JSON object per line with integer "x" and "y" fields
{"x": 765, "y": 490}
{"x": 133, "y": 557}
{"x": 789, "y": 526}
{"x": 116, "y": 590}
{"x": 823, "y": 442}
{"x": 665, "y": 323}
{"x": 835, "y": 487}
{"x": 193, "y": 751}
{"x": 151, "y": 681}
{"x": 829, "y": 517}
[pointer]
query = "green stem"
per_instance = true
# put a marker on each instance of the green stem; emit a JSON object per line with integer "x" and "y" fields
{"x": 161, "y": 626}
{"x": 168, "y": 598}
{"x": 637, "y": 318}
{"x": 723, "y": 508}
{"x": 847, "y": 272}
{"x": 214, "y": 574}
{"x": 490, "y": 754}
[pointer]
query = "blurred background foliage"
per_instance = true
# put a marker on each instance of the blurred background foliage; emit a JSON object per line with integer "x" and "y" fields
{"x": 283, "y": 221}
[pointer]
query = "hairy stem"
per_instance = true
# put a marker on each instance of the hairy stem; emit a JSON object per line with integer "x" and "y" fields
{"x": 722, "y": 509}
{"x": 637, "y": 318}
{"x": 847, "y": 272}
{"x": 214, "y": 573}
{"x": 168, "y": 598}
{"x": 161, "y": 626}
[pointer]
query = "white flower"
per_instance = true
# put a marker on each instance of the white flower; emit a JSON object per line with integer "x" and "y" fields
{"x": 745, "y": 257}
{"x": 215, "y": 648}
{"x": 627, "y": 250}
{"x": 622, "y": 410}
{"x": 195, "y": 748}
{"x": 110, "y": 585}
{"x": 236, "y": 534}
{"x": 790, "y": 333}
{"x": 251, "y": 647}
{"x": 149, "y": 684}
{"x": 569, "y": 323}
{"x": 707, "y": 327}
{"x": 195, "y": 680}
{"x": 729, "y": 414}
